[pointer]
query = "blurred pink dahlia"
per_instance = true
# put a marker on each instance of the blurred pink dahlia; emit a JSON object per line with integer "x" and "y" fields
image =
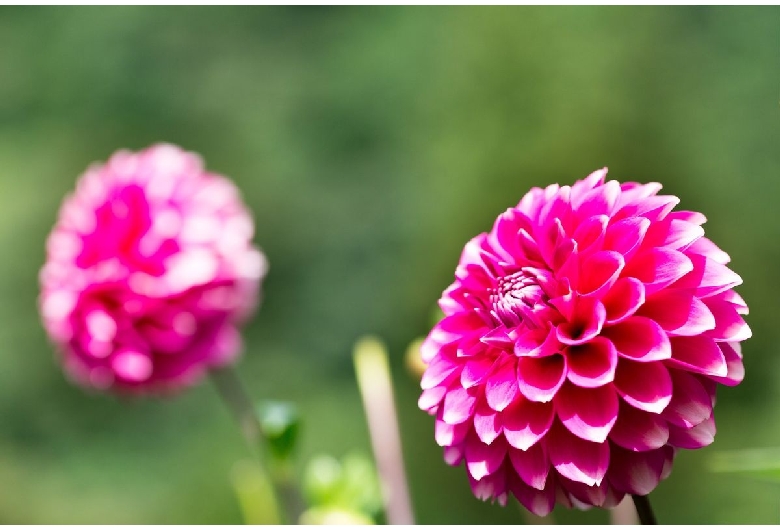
{"x": 149, "y": 270}
{"x": 582, "y": 344}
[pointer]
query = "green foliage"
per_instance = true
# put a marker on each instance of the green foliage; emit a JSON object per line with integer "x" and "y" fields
{"x": 280, "y": 422}
{"x": 349, "y": 486}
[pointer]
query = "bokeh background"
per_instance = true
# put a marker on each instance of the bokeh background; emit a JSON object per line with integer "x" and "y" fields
{"x": 371, "y": 144}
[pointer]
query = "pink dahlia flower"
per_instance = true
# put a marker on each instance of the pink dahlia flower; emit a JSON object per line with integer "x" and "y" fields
{"x": 583, "y": 340}
{"x": 149, "y": 270}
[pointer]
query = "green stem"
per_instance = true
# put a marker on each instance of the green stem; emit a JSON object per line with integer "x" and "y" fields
{"x": 644, "y": 510}
{"x": 232, "y": 392}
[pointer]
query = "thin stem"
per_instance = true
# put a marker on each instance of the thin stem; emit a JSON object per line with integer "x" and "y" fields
{"x": 376, "y": 389}
{"x": 624, "y": 513}
{"x": 643, "y": 509}
{"x": 232, "y": 392}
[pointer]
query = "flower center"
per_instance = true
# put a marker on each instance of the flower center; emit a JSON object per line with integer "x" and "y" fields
{"x": 519, "y": 298}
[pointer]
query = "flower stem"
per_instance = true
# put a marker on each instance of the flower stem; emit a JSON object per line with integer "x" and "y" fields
{"x": 376, "y": 389}
{"x": 643, "y": 509}
{"x": 232, "y": 392}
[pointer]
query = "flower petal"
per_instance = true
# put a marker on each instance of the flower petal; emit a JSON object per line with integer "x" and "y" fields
{"x": 588, "y": 413}
{"x": 639, "y": 339}
{"x": 698, "y": 354}
{"x": 575, "y": 458}
{"x": 637, "y": 473}
{"x": 736, "y": 371}
{"x": 526, "y": 422}
{"x": 646, "y": 386}
{"x": 696, "y": 437}
{"x": 592, "y": 364}
{"x": 678, "y": 312}
{"x": 447, "y": 434}
{"x": 599, "y": 272}
{"x": 501, "y": 387}
{"x": 626, "y": 235}
{"x": 531, "y": 465}
{"x": 487, "y": 423}
{"x": 437, "y": 371}
{"x": 708, "y": 277}
{"x": 586, "y": 322}
{"x": 729, "y": 325}
{"x": 637, "y": 430}
{"x": 537, "y": 502}
{"x": 475, "y": 370}
{"x": 623, "y": 299}
{"x": 658, "y": 268}
{"x": 539, "y": 378}
{"x": 690, "y": 404}
{"x": 459, "y": 405}
{"x": 483, "y": 459}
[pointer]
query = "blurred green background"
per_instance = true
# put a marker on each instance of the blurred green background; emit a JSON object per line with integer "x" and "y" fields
{"x": 371, "y": 144}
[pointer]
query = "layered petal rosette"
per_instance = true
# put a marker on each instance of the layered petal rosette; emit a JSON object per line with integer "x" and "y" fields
{"x": 582, "y": 343}
{"x": 150, "y": 269}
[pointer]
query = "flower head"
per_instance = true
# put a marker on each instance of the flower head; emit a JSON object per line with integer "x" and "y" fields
{"x": 582, "y": 343}
{"x": 149, "y": 270}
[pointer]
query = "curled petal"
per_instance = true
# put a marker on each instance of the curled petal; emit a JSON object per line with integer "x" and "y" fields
{"x": 626, "y": 236}
{"x": 575, "y": 458}
{"x": 646, "y": 386}
{"x": 501, "y": 387}
{"x": 623, "y": 299}
{"x": 679, "y": 312}
{"x": 538, "y": 502}
{"x": 588, "y": 413}
{"x": 658, "y": 267}
{"x": 691, "y": 403}
{"x": 487, "y": 423}
{"x": 587, "y": 321}
{"x": 592, "y": 364}
{"x": 600, "y": 271}
{"x": 639, "y": 339}
{"x": 531, "y": 465}
{"x": 459, "y": 405}
{"x": 735, "y": 369}
{"x": 482, "y": 459}
{"x": 696, "y": 437}
{"x": 698, "y": 354}
{"x": 637, "y": 430}
{"x": 728, "y": 326}
{"x": 526, "y": 422}
{"x": 637, "y": 473}
{"x": 539, "y": 378}
{"x": 708, "y": 277}
{"x": 447, "y": 434}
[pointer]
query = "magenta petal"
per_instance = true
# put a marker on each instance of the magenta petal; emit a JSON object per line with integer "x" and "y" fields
{"x": 437, "y": 371}
{"x": 431, "y": 398}
{"x": 539, "y": 378}
{"x": 729, "y": 326}
{"x": 696, "y": 437}
{"x": 586, "y": 322}
{"x": 658, "y": 268}
{"x": 531, "y": 465}
{"x": 623, "y": 299}
{"x": 708, "y": 249}
{"x": 475, "y": 370}
{"x": 501, "y": 387}
{"x": 736, "y": 370}
{"x": 487, "y": 423}
{"x": 637, "y": 430}
{"x": 625, "y": 236}
{"x": 599, "y": 271}
{"x": 592, "y": 364}
{"x": 646, "y": 386}
{"x": 584, "y": 496}
{"x": 459, "y": 405}
{"x": 483, "y": 459}
{"x": 639, "y": 339}
{"x": 490, "y": 487}
{"x": 690, "y": 404}
{"x": 708, "y": 277}
{"x": 637, "y": 473}
{"x": 535, "y": 501}
{"x": 682, "y": 234}
{"x": 698, "y": 354}
{"x": 679, "y": 312}
{"x": 588, "y": 413}
{"x": 447, "y": 434}
{"x": 453, "y": 455}
{"x": 525, "y": 422}
{"x": 537, "y": 343}
{"x": 599, "y": 201}
{"x": 590, "y": 232}
{"x": 575, "y": 458}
